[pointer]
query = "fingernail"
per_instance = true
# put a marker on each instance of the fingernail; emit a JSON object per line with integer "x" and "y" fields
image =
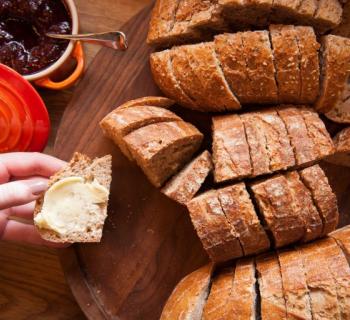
{"x": 38, "y": 187}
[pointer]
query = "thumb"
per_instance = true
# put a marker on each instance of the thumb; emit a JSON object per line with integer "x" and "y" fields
{"x": 20, "y": 192}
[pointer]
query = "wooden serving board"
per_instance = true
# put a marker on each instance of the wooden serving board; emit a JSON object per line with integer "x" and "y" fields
{"x": 149, "y": 243}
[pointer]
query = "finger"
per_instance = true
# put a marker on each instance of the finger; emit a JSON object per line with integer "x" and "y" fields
{"x": 20, "y": 232}
{"x": 25, "y": 211}
{"x": 22, "y": 164}
{"x": 17, "y": 193}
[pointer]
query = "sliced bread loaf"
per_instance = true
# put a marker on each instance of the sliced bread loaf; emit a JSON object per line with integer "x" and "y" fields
{"x": 88, "y": 226}
{"x": 155, "y": 101}
{"x": 342, "y": 148}
{"x": 342, "y": 236}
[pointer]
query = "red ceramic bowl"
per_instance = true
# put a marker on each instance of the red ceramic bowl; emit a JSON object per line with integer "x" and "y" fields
{"x": 24, "y": 121}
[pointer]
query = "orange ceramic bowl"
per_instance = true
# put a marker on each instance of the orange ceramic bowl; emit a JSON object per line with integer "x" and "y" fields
{"x": 73, "y": 51}
{"x": 24, "y": 120}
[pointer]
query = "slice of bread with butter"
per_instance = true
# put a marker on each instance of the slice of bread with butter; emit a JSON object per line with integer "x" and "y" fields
{"x": 74, "y": 208}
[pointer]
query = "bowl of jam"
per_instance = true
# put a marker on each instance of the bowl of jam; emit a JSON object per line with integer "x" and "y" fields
{"x": 25, "y": 47}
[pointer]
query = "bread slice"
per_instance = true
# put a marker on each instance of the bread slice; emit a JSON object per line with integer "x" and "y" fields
{"x": 340, "y": 271}
{"x": 189, "y": 296}
{"x": 207, "y": 68}
{"x": 294, "y": 285}
{"x": 161, "y": 102}
{"x": 273, "y": 304}
{"x": 220, "y": 292}
{"x": 286, "y": 56}
{"x": 308, "y": 64}
{"x": 161, "y": 149}
{"x": 120, "y": 122}
{"x": 342, "y": 236}
{"x": 341, "y": 112}
{"x": 307, "y": 10}
{"x": 217, "y": 236}
{"x": 230, "y": 149}
{"x": 243, "y": 301}
{"x": 163, "y": 75}
{"x": 321, "y": 285}
{"x": 260, "y": 66}
{"x": 342, "y": 148}
{"x": 328, "y": 15}
{"x": 240, "y": 213}
{"x": 325, "y": 200}
{"x": 318, "y": 133}
{"x": 285, "y": 10}
{"x": 305, "y": 205}
{"x": 335, "y": 72}
{"x": 230, "y": 53}
{"x": 303, "y": 146}
{"x": 278, "y": 144}
{"x": 256, "y": 139}
{"x": 100, "y": 170}
{"x": 183, "y": 186}
{"x": 276, "y": 204}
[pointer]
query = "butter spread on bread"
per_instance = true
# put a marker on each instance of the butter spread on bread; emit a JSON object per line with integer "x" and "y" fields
{"x": 71, "y": 205}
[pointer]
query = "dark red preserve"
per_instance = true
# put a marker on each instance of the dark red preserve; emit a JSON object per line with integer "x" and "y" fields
{"x": 23, "y": 25}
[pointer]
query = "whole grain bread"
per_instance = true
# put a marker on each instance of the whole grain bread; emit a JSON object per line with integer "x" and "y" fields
{"x": 120, "y": 122}
{"x": 99, "y": 169}
{"x": 220, "y": 292}
{"x": 342, "y": 148}
{"x": 155, "y": 101}
{"x": 341, "y": 112}
{"x": 342, "y": 236}
{"x": 217, "y": 236}
{"x": 278, "y": 209}
{"x": 184, "y": 186}
{"x": 230, "y": 148}
{"x": 273, "y": 304}
{"x": 296, "y": 292}
{"x": 189, "y": 296}
{"x": 328, "y": 15}
{"x": 324, "y": 199}
{"x": 161, "y": 149}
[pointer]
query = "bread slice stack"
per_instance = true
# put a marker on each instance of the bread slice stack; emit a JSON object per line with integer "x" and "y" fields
{"x": 310, "y": 281}
{"x": 98, "y": 171}
{"x": 245, "y": 219}
{"x": 342, "y": 146}
{"x": 258, "y": 143}
{"x": 176, "y": 22}
{"x": 158, "y": 140}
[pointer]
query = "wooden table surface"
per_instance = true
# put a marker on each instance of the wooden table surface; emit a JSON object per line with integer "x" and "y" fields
{"x": 32, "y": 284}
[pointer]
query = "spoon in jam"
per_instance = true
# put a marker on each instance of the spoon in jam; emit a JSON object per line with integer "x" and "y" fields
{"x": 114, "y": 39}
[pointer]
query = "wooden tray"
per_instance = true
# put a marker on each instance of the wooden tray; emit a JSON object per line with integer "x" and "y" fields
{"x": 149, "y": 243}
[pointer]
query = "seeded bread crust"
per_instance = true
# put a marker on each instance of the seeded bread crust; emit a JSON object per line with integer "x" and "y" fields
{"x": 183, "y": 186}
{"x": 325, "y": 200}
{"x": 80, "y": 165}
{"x": 342, "y": 148}
{"x": 309, "y": 64}
{"x": 341, "y": 112}
{"x": 276, "y": 204}
{"x": 230, "y": 149}
{"x": 294, "y": 284}
{"x": 163, "y": 75}
{"x": 189, "y": 296}
{"x": 220, "y": 291}
{"x": 273, "y": 305}
{"x": 286, "y": 54}
{"x": 240, "y": 213}
{"x": 217, "y": 236}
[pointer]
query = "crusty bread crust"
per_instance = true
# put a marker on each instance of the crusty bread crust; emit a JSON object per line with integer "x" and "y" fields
{"x": 219, "y": 239}
{"x": 294, "y": 284}
{"x": 325, "y": 200}
{"x": 189, "y": 296}
{"x": 80, "y": 165}
{"x": 273, "y": 305}
{"x": 240, "y": 213}
{"x": 161, "y": 102}
{"x": 342, "y": 236}
{"x": 328, "y": 15}
{"x": 342, "y": 148}
{"x": 183, "y": 186}
{"x": 230, "y": 149}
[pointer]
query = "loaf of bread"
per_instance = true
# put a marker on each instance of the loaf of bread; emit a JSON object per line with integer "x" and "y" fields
{"x": 311, "y": 281}
{"x": 235, "y": 221}
{"x": 176, "y": 22}
{"x": 258, "y": 143}
{"x": 158, "y": 140}
{"x": 63, "y": 217}
{"x": 252, "y": 67}
{"x": 342, "y": 149}
{"x": 184, "y": 185}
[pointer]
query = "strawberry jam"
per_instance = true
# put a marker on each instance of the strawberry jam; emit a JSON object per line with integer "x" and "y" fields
{"x": 23, "y": 25}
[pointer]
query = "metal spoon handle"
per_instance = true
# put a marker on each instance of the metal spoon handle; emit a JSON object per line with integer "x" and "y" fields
{"x": 115, "y": 39}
